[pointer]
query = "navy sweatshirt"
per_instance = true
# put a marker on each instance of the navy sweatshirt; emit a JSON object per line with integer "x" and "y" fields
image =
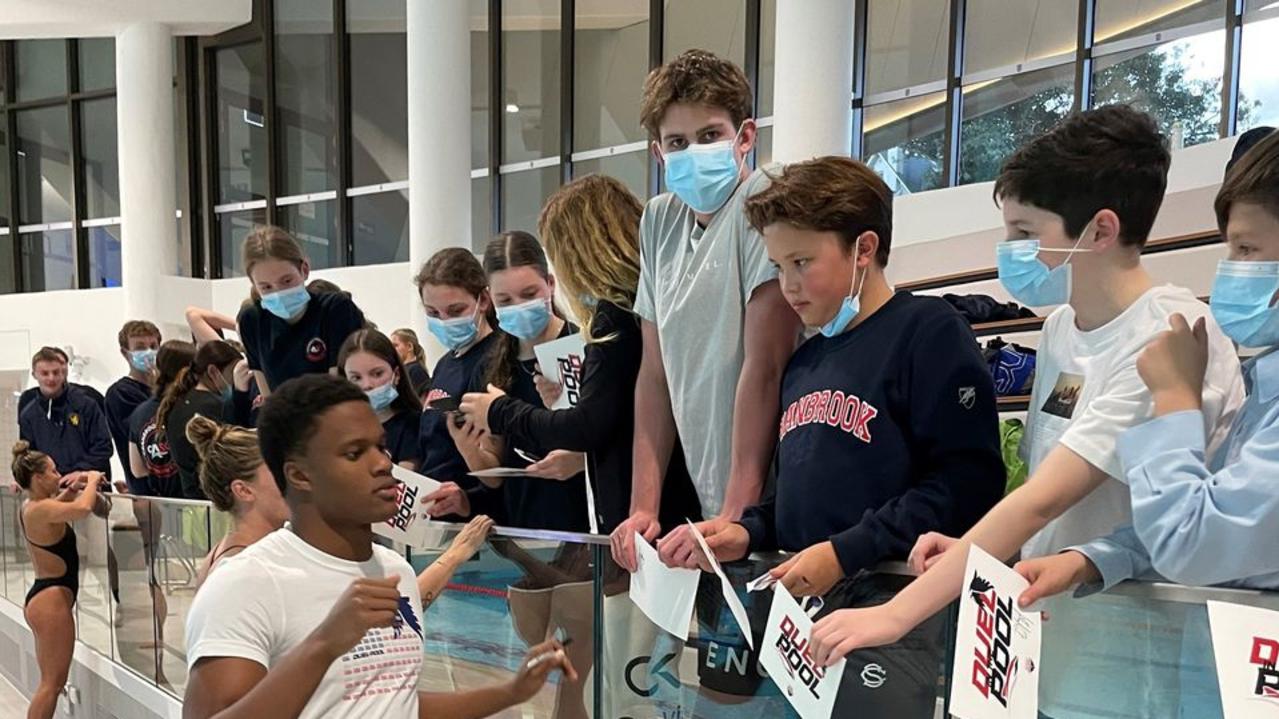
{"x": 123, "y": 397}
{"x": 453, "y": 376}
{"x": 310, "y": 345}
{"x": 71, "y": 428}
{"x": 31, "y": 394}
{"x": 602, "y": 424}
{"x": 888, "y": 431}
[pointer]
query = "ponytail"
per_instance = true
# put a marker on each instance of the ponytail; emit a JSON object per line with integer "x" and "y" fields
{"x": 212, "y": 354}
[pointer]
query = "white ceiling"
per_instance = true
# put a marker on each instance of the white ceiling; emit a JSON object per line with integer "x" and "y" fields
{"x": 92, "y": 18}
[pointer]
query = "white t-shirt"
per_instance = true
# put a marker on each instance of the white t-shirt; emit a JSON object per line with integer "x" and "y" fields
{"x": 1087, "y": 392}
{"x": 260, "y": 604}
{"x": 694, "y": 285}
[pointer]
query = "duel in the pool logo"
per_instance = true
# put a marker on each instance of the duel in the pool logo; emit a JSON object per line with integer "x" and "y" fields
{"x": 571, "y": 375}
{"x": 1265, "y": 655}
{"x": 797, "y": 657}
{"x": 994, "y": 669}
{"x": 405, "y": 502}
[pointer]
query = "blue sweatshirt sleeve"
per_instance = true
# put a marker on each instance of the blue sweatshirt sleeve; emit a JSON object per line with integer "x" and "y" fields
{"x": 97, "y": 439}
{"x": 953, "y": 426}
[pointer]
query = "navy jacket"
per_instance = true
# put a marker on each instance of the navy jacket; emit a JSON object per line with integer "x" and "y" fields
{"x": 123, "y": 397}
{"x": 71, "y": 428}
{"x": 888, "y": 431}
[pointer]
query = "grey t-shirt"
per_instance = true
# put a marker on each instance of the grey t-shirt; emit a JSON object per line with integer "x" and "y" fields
{"x": 694, "y": 285}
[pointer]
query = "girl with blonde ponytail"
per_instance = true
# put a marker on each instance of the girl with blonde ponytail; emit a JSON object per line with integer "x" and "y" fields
{"x": 205, "y": 388}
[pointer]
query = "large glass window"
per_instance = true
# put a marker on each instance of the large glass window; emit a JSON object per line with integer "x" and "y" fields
{"x": 381, "y": 227}
{"x": 8, "y": 280}
{"x": 1177, "y": 82}
{"x": 481, "y": 212}
{"x": 6, "y": 199}
{"x": 631, "y": 168}
{"x": 232, "y": 228}
{"x": 717, "y": 26}
{"x": 523, "y": 194}
{"x": 379, "y": 92}
{"x": 97, "y": 63}
{"x": 531, "y": 89}
{"x": 999, "y": 33}
{"x": 104, "y": 255}
{"x": 241, "y": 124}
{"x": 44, "y": 165}
{"x": 100, "y": 160}
{"x": 1259, "y": 58}
{"x": 903, "y": 142}
{"x": 907, "y": 43}
{"x": 611, "y": 60}
{"x": 42, "y": 68}
{"x": 48, "y": 260}
{"x": 1000, "y": 115}
{"x": 306, "y": 96}
{"x": 1123, "y": 19}
{"x": 314, "y": 224}
{"x": 767, "y": 56}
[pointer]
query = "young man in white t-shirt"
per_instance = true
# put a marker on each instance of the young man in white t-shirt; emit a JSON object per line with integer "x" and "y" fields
{"x": 717, "y": 331}
{"x": 315, "y": 620}
{"x": 1078, "y": 205}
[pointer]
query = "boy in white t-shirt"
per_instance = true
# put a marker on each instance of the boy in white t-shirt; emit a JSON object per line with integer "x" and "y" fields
{"x": 1087, "y": 192}
{"x": 315, "y": 620}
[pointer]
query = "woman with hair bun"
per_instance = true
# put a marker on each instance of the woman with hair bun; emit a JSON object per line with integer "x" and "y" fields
{"x": 53, "y": 502}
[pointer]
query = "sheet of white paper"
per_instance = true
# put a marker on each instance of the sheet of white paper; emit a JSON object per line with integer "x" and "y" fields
{"x": 409, "y": 525}
{"x": 786, "y": 656}
{"x": 561, "y": 361}
{"x": 1245, "y": 645}
{"x": 665, "y": 595}
{"x": 730, "y": 595}
{"x": 997, "y": 645}
{"x": 760, "y": 583}
{"x": 499, "y": 472}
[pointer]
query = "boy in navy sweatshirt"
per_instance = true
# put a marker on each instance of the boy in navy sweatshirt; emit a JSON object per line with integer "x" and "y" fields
{"x": 888, "y": 429}
{"x": 139, "y": 342}
{"x": 31, "y": 394}
{"x": 65, "y": 424}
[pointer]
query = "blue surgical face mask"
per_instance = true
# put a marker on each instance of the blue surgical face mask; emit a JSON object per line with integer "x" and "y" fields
{"x": 455, "y": 333}
{"x": 704, "y": 176}
{"x": 287, "y": 304}
{"x": 382, "y": 397}
{"x": 142, "y": 360}
{"x": 227, "y": 392}
{"x": 1242, "y": 302}
{"x": 1028, "y": 279}
{"x": 849, "y": 309}
{"x": 526, "y": 320}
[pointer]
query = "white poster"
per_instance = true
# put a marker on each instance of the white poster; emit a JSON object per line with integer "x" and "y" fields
{"x": 787, "y": 657}
{"x": 665, "y": 595}
{"x": 730, "y": 595}
{"x": 996, "y": 673}
{"x": 1245, "y": 644}
{"x": 409, "y": 525}
{"x": 561, "y": 361}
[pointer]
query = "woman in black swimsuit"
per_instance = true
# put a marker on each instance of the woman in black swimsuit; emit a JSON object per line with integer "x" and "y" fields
{"x": 53, "y": 503}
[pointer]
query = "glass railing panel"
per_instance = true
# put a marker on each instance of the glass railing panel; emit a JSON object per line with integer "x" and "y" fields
{"x": 16, "y": 561}
{"x": 184, "y": 533}
{"x": 96, "y": 606}
{"x": 136, "y": 644}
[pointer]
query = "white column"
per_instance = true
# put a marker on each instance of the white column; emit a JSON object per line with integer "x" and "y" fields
{"x": 148, "y": 198}
{"x": 814, "y": 78}
{"x": 439, "y": 56}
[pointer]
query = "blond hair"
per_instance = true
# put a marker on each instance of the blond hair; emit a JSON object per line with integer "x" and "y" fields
{"x": 227, "y": 453}
{"x": 591, "y": 230}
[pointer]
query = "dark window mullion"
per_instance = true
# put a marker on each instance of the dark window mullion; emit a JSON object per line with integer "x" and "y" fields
{"x": 954, "y": 93}
{"x": 497, "y": 108}
{"x": 10, "y": 165}
{"x": 342, "y": 76}
{"x": 274, "y": 140}
{"x": 568, "y": 49}
{"x": 209, "y": 145}
{"x": 750, "y": 58}
{"x": 859, "y": 74}
{"x": 1230, "y": 78}
{"x": 78, "y": 205}
{"x": 1083, "y": 54}
{"x": 656, "y": 28}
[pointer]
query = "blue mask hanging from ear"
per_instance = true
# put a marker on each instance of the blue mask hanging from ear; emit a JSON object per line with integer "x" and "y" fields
{"x": 849, "y": 308}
